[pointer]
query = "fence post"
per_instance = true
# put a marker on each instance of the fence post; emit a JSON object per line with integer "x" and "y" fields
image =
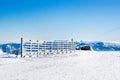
{"x": 21, "y": 48}
{"x": 66, "y": 46}
{"x": 37, "y": 48}
{"x": 44, "y": 43}
{"x": 30, "y": 54}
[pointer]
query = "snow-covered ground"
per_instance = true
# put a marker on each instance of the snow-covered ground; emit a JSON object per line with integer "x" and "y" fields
{"x": 82, "y": 65}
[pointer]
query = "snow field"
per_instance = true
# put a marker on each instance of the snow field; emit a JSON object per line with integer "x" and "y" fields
{"x": 82, "y": 65}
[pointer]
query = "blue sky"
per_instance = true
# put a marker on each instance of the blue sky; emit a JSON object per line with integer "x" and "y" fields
{"x": 88, "y": 20}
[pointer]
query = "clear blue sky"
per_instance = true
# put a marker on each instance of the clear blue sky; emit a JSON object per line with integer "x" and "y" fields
{"x": 88, "y": 20}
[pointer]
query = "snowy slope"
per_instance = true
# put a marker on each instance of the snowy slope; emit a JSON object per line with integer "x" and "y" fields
{"x": 77, "y": 66}
{"x": 1, "y": 51}
{"x": 6, "y": 55}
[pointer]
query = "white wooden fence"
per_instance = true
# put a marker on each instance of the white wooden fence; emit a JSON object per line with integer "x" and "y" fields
{"x": 35, "y": 48}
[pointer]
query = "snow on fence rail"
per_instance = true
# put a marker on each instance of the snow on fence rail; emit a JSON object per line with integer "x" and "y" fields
{"x": 30, "y": 48}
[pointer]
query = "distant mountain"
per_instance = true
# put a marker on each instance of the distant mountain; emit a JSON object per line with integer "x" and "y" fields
{"x": 100, "y": 46}
{"x": 11, "y": 48}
